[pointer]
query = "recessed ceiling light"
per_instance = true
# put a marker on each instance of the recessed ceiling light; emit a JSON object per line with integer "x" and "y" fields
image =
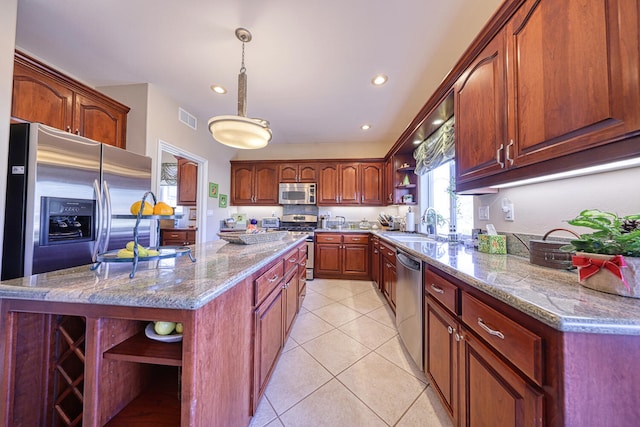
{"x": 218, "y": 89}
{"x": 379, "y": 80}
{"x": 365, "y": 127}
{"x": 438, "y": 122}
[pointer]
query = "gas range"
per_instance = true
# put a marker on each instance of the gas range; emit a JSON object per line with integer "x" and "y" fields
{"x": 299, "y": 223}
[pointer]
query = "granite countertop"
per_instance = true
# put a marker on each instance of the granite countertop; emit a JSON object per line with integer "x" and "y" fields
{"x": 169, "y": 283}
{"x": 552, "y": 296}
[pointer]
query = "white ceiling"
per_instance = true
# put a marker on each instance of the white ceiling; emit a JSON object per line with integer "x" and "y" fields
{"x": 309, "y": 65}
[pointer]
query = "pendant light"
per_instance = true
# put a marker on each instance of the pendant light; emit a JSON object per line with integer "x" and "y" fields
{"x": 241, "y": 131}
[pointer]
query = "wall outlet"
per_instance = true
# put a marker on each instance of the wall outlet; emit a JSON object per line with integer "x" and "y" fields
{"x": 508, "y": 213}
{"x": 483, "y": 213}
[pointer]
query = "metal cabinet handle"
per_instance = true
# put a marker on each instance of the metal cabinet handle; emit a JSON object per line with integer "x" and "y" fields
{"x": 459, "y": 337}
{"x": 69, "y": 129}
{"x": 498, "y": 155}
{"x": 293, "y": 260}
{"x": 489, "y": 330}
{"x": 302, "y": 264}
{"x": 355, "y": 239}
{"x": 450, "y": 330}
{"x": 509, "y": 159}
{"x": 273, "y": 279}
{"x": 391, "y": 253}
{"x": 437, "y": 289}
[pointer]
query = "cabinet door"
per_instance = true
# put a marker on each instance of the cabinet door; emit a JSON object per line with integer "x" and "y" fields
{"x": 355, "y": 260}
{"x": 307, "y": 173}
{"x": 241, "y": 184}
{"x": 269, "y": 340}
{"x": 389, "y": 278}
{"x": 288, "y": 173}
{"x": 349, "y": 180}
{"x": 290, "y": 292}
{"x": 491, "y": 393}
{"x": 375, "y": 261}
{"x": 39, "y": 98}
{"x": 372, "y": 184}
{"x": 96, "y": 120}
{"x": 481, "y": 114}
{"x": 441, "y": 354}
{"x": 266, "y": 184}
{"x": 187, "y": 182}
{"x": 327, "y": 259}
{"x": 389, "y": 185}
{"x": 328, "y": 185}
{"x": 573, "y": 77}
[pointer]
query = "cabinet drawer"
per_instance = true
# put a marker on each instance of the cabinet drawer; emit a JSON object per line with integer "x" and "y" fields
{"x": 356, "y": 238}
{"x": 290, "y": 260}
{"x": 517, "y": 344}
{"x": 388, "y": 252}
{"x": 442, "y": 290}
{"x": 268, "y": 281}
{"x": 175, "y": 235}
{"x": 328, "y": 238}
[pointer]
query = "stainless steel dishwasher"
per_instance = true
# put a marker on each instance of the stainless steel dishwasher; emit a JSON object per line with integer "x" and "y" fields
{"x": 409, "y": 304}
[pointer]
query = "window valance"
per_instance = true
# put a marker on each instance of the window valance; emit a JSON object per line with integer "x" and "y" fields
{"x": 437, "y": 149}
{"x": 169, "y": 174}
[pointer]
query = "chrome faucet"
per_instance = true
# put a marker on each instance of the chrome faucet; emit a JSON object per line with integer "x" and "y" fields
{"x": 430, "y": 217}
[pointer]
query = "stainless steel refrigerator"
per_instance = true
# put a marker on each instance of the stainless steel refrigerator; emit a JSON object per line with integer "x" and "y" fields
{"x": 62, "y": 193}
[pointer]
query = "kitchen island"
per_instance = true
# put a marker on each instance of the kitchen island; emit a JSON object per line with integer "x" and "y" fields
{"x": 74, "y": 346}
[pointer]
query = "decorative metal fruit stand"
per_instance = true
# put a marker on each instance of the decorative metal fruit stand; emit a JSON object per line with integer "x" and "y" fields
{"x": 164, "y": 252}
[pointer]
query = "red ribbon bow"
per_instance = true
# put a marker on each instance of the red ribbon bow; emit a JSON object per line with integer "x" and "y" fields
{"x": 587, "y": 267}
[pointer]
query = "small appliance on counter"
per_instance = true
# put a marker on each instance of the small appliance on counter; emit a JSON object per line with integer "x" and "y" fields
{"x": 271, "y": 222}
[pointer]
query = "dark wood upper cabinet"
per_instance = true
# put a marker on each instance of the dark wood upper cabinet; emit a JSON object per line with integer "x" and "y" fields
{"x": 558, "y": 79}
{"x": 42, "y": 94}
{"x": 298, "y": 172}
{"x": 254, "y": 183}
{"x": 187, "y": 182}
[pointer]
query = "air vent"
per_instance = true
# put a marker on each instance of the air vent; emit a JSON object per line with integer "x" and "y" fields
{"x": 187, "y": 119}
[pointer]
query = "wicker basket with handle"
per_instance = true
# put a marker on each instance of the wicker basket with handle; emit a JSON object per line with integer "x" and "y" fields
{"x": 547, "y": 253}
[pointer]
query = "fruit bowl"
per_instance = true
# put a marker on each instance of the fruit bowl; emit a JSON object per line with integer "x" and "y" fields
{"x": 150, "y": 333}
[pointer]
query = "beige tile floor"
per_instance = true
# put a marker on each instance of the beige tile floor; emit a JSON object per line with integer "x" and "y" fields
{"x": 344, "y": 365}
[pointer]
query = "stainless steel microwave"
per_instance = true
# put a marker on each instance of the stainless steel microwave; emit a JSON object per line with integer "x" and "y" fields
{"x": 298, "y": 193}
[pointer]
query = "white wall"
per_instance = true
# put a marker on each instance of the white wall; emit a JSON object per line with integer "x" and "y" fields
{"x": 8, "y": 15}
{"x": 545, "y": 206}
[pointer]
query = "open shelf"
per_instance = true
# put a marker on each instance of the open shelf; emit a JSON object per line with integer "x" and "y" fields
{"x": 158, "y": 405}
{"x": 401, "y": 187}
{"x": 141, "y": 349}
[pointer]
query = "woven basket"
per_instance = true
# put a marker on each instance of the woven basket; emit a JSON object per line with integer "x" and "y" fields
{"x": 242, "y": 238}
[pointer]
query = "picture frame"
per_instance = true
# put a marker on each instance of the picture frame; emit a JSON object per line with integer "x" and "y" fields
{"x": 192, "y": 214}
{"x": 223, "y": 201}
{"x": 213, "y": 190}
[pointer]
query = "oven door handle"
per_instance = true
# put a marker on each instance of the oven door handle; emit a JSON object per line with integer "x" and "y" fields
{"x": 99, "y": 219}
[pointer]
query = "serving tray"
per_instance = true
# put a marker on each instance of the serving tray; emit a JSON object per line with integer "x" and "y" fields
{"x": 242, "y": 238}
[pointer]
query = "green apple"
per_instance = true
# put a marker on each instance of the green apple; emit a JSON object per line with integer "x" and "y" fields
{"x": 164, "y": 328}
{"x": 179, "y": 328}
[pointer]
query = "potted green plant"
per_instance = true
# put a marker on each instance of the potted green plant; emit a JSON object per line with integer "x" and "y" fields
{"x": 608, "y": 259}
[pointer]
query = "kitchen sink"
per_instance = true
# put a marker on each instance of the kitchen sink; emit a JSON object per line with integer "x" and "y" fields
{"x": 408, "y": 237}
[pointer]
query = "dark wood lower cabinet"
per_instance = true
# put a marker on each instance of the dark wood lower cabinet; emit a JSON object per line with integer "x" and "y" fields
{"x": 342, "y": 256}
{"x": 491, "y": 392}
{"x": 441, "y": 355}
{"x": 269, "y": 338}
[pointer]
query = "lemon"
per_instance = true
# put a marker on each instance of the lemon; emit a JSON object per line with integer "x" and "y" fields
{"x": 161, "y": 208}
{"x": 141, "y": 249}
{"x": 179, "y": 328}
{"x": 124, "y": 253}
{"x": 152, "y": 252}
{"x": 147, "y": 210}
{"x": 164, "y": 328}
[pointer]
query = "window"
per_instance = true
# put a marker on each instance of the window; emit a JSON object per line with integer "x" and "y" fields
{"x": 438, "y": 191}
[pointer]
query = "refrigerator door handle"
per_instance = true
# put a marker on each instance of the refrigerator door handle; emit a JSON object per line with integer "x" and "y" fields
{"x": 99, "y": 219}
{"x": 107, "y": 198}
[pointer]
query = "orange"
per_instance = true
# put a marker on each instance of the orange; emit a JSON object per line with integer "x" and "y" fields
{"x": 147, "y": 210}
{"x": 161, "y": 208}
